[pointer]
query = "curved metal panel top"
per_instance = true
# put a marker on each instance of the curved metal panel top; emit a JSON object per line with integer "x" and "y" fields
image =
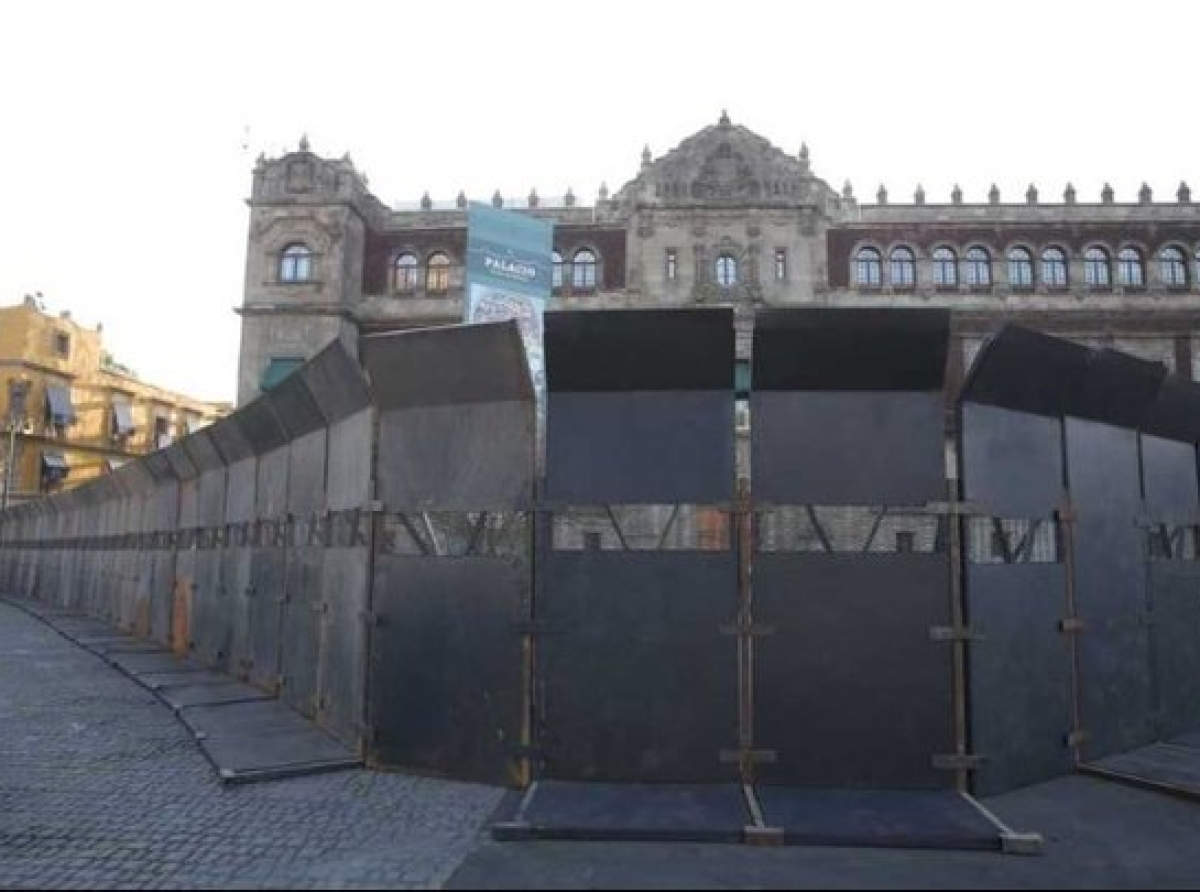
{"x": 231, "y": 443}
{"x": 621, "y": 350}
{"x": 259, "y": 426}
{"x": 134, "y": 477}
{"x": 872, "y": 349}
{"x": 336, "y": 382}
{"x": 180, "y": 461}
{"x": 448, "y": 365}
{"x": 295, "y": 408}
{"x": 1118, "y": 389}
{"x": 1175, "y": 412}
{"x": 1019, "y": 368}
{"x": 157, "y": 466}
{"x": 203, "y": 451}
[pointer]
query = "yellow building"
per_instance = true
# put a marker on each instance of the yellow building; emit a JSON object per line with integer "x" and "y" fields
{"x": 69, "y": 412}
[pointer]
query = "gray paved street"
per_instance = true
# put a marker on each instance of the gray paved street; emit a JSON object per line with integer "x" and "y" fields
{"x": 101, "y": 787}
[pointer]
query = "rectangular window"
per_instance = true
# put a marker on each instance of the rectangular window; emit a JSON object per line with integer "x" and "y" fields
{"x": 162, "y": 432}
{"x": 62, "y": 345}
{"x": 122, "y": 419}
{"x": 780, "y": 265}
{"x": 59, "y": 411}
{"x": 672, "y": 265}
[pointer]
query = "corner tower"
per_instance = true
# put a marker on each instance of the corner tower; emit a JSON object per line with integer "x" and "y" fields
{"x": 308, "y": 219}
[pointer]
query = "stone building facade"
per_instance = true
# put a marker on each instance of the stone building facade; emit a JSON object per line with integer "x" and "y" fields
{"x": 71, "y": 413}
{"x": 727, "y": 218}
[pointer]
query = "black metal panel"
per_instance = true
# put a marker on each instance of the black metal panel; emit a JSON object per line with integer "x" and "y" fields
{"x": 231, "y": 443}
{"x": 1118, "y": 389}
{"x": 838, "y": 448}
{"x": 850, "y": 349}
{"x": 306, "y": 475}
{"x": 447, "y": 366}
{"x": 300, "y": 641}
{"x": 235, "y": 563}
{"x": 850, "y": 690}
{"x": 336, "y": 382}
{"x": 1175, "y": 589}
{"x": 295, "y": 407}
{"x": 1175, "y": 412}
{"x": 1020, "y": 671}
{"x": 343, "y": 670}
{"x": 456, "y": 427}
{"x": 1169, "y": 480}
{"x": 259, "y": 426}
{"x": 182, "y": 466}
{"x": 1110, "y": 580}
{"x": 447, "y": 679}
{"x": 941, "y": 819}
{"x": 1011, "y": 462}
{"x": 467, "y": 456}
{"x": 639, "y": 683}
{"x": 1020, "y": 681}
{"x": 157, "y": 466}
{"x": 623, "y": 350}
{"x": 640, "y": 812}
{"x": 202, "y": 450}
{"x": 646, "y": 447}
{"x": 265, "y": 615}
{"x": 1022, "y": 369}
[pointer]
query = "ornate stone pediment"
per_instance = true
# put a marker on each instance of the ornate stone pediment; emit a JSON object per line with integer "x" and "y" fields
{"x": 726, "y": 165}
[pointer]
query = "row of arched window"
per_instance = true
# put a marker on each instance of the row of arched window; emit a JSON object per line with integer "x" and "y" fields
{"x": 1049, "y": 269}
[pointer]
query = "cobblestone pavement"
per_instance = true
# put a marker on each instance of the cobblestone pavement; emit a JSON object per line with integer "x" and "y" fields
{"x": 101, "y": 787}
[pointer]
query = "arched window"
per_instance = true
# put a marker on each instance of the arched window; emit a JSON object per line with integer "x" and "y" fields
{"x": 727, "y": 270}
{"x": 583, "y": 270}
{"x": 1054, "y": 268}
{"x": 556, "y": 280}
{"x": 979, "y": 267}
{"x": 1020, "y": 268}
{"x": 406, "y": 273}
{"x": 1095, "y": 268}
{"x": 868, "y": 268}
{"x": 295, "y": 264}
{"x": 1172, "y": 267}
{"x": 437, "y": 273}
{"x": 903, "y": 268}
{"x": 945, "y": 268}
{"x": 1129, "y": 268}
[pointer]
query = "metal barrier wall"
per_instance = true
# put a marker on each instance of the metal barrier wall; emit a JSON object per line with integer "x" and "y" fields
{"x": 1171, "y": 524}
{"x": 451, "y": 549}
{"x": 1023, "y": 717}
{"x": 300, "y": 622}
{"x": 851, "y": 591}
{"x": 636, "y": 679}
{"x": 1104, "y": 482}
{"x": 337, "y": 385}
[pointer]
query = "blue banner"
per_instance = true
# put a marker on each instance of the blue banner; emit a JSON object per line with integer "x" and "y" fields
{"x": 509, "y": 269}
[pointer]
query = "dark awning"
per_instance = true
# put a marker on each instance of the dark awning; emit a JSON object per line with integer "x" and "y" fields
{"x": 278, "y": 369}
{"x": 58, "y": 404}
{"x": 122, "y": 418}
{"x": 55, "y": 463}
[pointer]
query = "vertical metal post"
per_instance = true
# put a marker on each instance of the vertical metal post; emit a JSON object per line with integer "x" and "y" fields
{"x": 10, "y": 459}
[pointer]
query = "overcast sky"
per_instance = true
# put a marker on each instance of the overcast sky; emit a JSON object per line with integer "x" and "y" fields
{"x": 129, "y": 130}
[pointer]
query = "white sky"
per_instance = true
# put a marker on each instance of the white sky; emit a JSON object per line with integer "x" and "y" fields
{"x": 128, "y": 130}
